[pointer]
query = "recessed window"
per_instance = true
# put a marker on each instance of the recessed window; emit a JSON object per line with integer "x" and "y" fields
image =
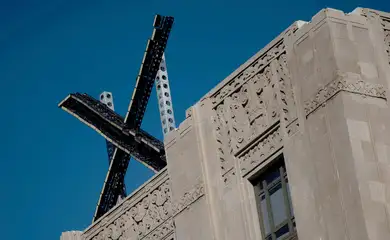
{"x": 274, "y": 202}
{"x": 169, "y": 111}
{"x": 166, "y": 94}
{"x": 165, "y": 85}
{"x": 170, "y": 120}
{"x": 109, "y": 104}
{"x": 162, "y": 69}
{"x": 164, "y": 77}
{"x": 165, "y": 130}
{"x": 108, "y": 95}
{"x": 168, "y": 103}
{"x": 158, "y": 87}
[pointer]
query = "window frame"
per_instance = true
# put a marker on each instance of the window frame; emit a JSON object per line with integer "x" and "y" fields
{"x": 263, "y": 190}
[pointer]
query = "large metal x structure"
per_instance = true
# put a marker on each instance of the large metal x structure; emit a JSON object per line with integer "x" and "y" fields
{"x": 125, "y": 133}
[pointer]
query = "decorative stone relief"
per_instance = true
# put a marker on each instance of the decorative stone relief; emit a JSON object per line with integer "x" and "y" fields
{"x": 292, "y": 127}
{"x": 222, "y": 132}
{"x": 142, "y": 218}
{"x": 387, "y": 42}
{"x": 261, "y": 150}
{"x": 161, "y": 231}
{"x": 188, "y": 198}
{"x": 229, "y": 176}
{"x": 286, "y": 94}
{"x": 244, "y": 115}
{"x": 348, "y": 83}
{"x": 385, "y": 22}
{"x": 149, "y": 217}
{"x": 248, "y": 73}
{"x": 252, "y": 102}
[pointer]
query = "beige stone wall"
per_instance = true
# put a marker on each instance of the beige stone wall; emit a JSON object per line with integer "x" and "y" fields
{"x": 71, "y": 235}
{"x": 318, "y": 94}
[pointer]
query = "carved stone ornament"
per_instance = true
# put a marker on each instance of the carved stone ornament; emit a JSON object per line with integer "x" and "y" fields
{"x": 347, "y": 83}
{"x": 387, "y": 43}
{"x": 248, "y": 72}
{"x": 148, "y": 214}
{"x": 261, "y": 150}
{"x": 252, "y": 102}
{"x": 385, "y": 24}
{"x": 188, "y": 198}
{"x": 142, "y": 218}
{"x": 286, "y": 93}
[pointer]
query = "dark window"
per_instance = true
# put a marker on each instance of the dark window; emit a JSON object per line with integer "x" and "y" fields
{"x": 274, "y": 203}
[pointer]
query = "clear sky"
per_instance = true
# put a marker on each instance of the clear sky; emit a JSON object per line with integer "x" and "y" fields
{"x": 52, "y": 165}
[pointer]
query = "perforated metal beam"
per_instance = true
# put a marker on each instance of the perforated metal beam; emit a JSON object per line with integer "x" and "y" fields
{"x": 164, "y": 98}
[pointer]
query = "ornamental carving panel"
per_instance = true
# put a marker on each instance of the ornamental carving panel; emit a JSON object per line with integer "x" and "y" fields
{"x": 258, "y": 65}
{"x": 387, "y": 42}
{"x": 147, "y": 214}
{"x": 251, "y": 103}
{"x": 245, "y": 114}
{"x": 286, "y": 94}
{"x": 261, "y": 150}
{"x": 385, "y": 22}
{"x": 348, "y": 83}
{"x": 142, "y": 218}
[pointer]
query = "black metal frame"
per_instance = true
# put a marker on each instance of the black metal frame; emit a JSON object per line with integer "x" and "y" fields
{"x": 263, "y": 191}
{"x": 125, "y": 134}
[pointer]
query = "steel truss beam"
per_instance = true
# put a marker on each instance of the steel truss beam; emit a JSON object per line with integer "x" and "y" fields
{"x": 149, "y": 67}
{"x": 140, "y": 145}
{"x": 126, "y": 134}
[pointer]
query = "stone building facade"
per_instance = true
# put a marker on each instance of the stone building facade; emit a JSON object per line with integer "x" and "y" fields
{"x": 295, "y": 144}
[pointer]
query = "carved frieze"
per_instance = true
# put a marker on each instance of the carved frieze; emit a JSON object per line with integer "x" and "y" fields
{"x": 222, "y": 133}
{"x": 228, "y": 177}
{"x": 148, "y": 214}
{"x": 244, "y": 115}
{"x": 261, "y": 150}
{"x": 385, "y": 22}
{"x": 285, "y": 90}
{"x": 188, "y": 198}
{"x": 248, "y": 72}
{"x": 251, "y": 103}
{"x": 141, "y": 218}
{"x": 348, "y": 83}
{"x": 387, "y": 43}
{"x": 161, "y": 231}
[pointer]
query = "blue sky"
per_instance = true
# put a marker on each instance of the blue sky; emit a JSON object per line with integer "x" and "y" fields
{"x": 53, "y": 166}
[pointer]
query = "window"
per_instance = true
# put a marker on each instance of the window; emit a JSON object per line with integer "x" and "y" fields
{"x": 274, "y": 203}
